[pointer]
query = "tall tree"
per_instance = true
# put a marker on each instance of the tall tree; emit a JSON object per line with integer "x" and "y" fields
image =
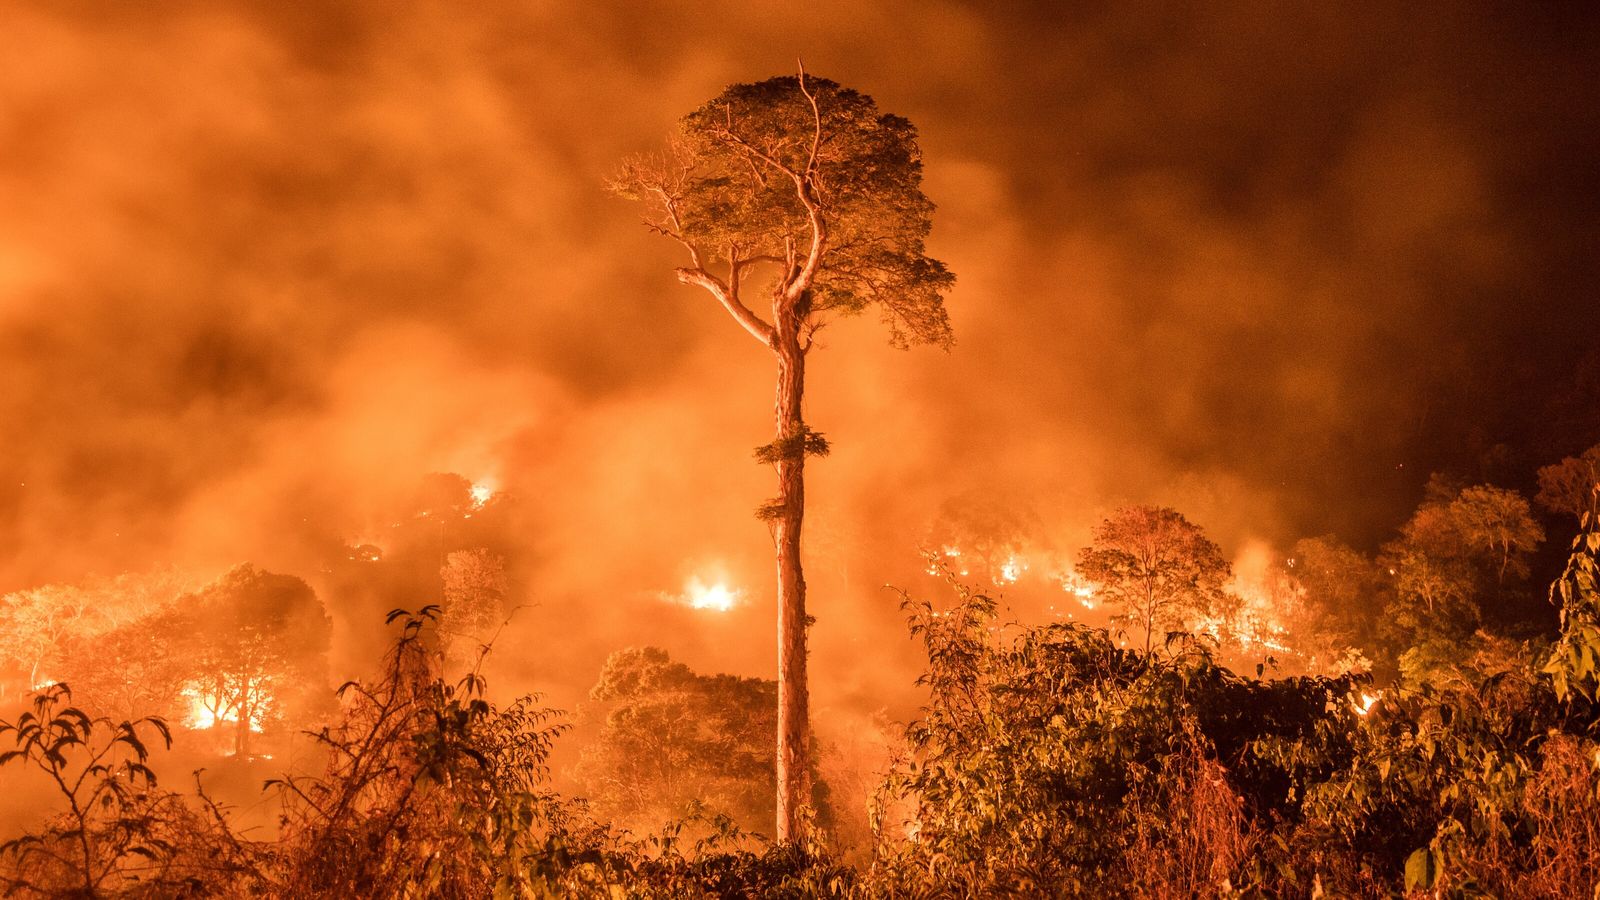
{"x": 1434, "y": 605}
{"x": 1158, "y": 569}
{"x": 1343, "y": 596}
{"x": 807, "y": 185}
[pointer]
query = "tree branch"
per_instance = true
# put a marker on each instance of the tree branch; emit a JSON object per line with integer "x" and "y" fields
{"x": 742, "y": 314}
{"x": 806, "y": 187}
{"x": 816, "y": 115}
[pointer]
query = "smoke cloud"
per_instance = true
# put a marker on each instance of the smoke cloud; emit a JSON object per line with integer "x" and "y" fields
{"x": 264, "y": 266}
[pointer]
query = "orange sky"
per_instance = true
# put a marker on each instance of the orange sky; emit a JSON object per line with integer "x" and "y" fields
{"x": 264, "y": 265}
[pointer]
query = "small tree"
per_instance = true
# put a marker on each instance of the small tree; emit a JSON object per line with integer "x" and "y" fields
{"x": 257, "y": 642}
{"x": 1499, "y": 523}
{"x": 1157, "y": 568}
{"x": 1572, "y": 486}
{"x": 674, "y": 739}
{"x": 475, "y": 591}
{"x": 1574, "y": 665}
{"x": 808, "y": 184}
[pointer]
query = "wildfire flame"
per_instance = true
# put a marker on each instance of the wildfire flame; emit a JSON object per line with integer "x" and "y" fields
{"x": 481, "y": 492}
{"x": 207, "y": 711}
{"x": 1012, "y": 569}
{"x": 1364, "y": 705}
{"x": 1075, "y": 585}
{"x": 717, "y": 597}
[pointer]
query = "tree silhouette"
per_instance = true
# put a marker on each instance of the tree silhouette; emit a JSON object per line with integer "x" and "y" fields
{"x": 1572, "y": 486}
{"x": 808, "y": 186}
{"x": 1499, "y": 523}
{"x": 1156, "y": 567}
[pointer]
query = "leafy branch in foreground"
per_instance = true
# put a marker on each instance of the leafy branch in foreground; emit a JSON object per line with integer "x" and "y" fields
{"x": 107, "y": 837}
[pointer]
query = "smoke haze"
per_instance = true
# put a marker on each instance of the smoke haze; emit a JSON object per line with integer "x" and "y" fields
{"x": 264, "y": 266}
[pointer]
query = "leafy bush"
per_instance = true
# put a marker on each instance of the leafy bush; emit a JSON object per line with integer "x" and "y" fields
{"x": 1047, "y": 762}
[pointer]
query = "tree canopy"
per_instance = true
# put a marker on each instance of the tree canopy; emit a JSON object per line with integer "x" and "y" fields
{"x": 1156, "y": 567}
{"x": 810, "y": 180}
{"x": 674, "y": 738}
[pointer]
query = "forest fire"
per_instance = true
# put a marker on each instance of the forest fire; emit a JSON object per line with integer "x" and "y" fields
{"x": 1011, "y": 570}
{"x": 586, "y": 449}
{"x": 210, "y": 710}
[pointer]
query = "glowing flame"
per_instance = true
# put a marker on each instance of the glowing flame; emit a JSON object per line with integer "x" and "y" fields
{"x": 481, "y": 492}
{"x": 201, "y": 715}
{"x": 207, "y": 711}
{"x": 717, "y": 597}
{"x": 1078, "y": 587}
{"x": 1011, "y": 569}
{"x": 1364, "y": 705}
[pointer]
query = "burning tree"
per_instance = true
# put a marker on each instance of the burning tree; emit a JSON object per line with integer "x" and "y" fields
{"x": 1157, "y": 567}
{"x": 39, "y": 625}
{"x": 256, "y": 642}
{"x": 810, "y": 185}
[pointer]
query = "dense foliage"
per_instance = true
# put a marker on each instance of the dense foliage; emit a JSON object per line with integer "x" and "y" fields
{"x": 673, "y": 740}
{"x": 1048, "y": 761}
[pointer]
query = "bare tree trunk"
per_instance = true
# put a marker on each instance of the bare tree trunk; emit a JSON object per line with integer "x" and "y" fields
{"x": 794, "y": 788}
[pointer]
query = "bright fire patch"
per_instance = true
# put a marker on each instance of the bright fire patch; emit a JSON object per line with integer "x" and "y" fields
{"x": 481, "y": 492}
{"x": 717, "y": 597}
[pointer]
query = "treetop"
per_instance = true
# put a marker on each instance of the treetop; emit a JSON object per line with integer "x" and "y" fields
{"x": 811, "y": 182}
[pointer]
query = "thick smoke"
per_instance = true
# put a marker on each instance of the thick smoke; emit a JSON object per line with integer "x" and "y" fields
{"x": 263, "y": 266}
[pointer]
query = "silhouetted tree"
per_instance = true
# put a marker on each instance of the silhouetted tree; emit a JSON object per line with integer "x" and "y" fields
{"x": 1572, "y": 486}
{"x": 475, "y": 591}
{"x": 983, "y": 532}
{"x": 809, "y": 184}
{"x": 674, "y": 738}
{"x": 256, "y": 642}
{"x": 1155, "y": 567}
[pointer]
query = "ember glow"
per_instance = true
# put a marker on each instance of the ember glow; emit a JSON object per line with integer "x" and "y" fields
{"x": 716, "y": 597}
{"x": 481, "y": 491}
{"x": 209, "y": 711}
{"x": 1364, "y": 703}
